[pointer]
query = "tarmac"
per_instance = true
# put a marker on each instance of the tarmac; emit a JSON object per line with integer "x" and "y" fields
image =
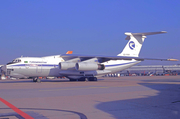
{"x": 138, "y": 97}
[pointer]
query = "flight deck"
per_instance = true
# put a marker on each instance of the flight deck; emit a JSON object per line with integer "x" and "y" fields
{"x": 138, "y": 97}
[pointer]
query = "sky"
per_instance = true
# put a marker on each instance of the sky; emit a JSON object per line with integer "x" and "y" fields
{"x": 37, "y": 28}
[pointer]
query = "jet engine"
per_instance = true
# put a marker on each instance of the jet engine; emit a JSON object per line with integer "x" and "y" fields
{"x": 67, "y": 65}
{"x": 87, "y": 66}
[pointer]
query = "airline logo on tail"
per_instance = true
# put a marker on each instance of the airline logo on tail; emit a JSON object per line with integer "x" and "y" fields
{"x": 131, "y": 45}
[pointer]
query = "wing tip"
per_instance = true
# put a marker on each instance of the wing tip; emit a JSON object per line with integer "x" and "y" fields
{"x": 172, "y": 59}
{"x": 163, "y": 31}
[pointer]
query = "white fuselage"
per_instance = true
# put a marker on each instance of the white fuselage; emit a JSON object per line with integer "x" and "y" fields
{"x": 49, "y": 66}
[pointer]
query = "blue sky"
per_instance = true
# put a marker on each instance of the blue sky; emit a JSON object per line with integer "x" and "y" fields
{"x": 94, "y": 27}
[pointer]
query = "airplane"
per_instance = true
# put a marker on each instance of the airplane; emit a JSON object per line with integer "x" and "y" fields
{"x": 80, "y": 67}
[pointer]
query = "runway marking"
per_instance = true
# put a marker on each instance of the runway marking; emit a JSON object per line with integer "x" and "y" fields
{"x": 23, "y": 114}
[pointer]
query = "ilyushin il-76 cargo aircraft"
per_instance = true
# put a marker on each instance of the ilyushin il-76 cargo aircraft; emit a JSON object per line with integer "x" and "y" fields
{"x": 80, "y": 67}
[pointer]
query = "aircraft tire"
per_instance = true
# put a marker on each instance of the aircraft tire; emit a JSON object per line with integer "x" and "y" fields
{"x": 95, "y": 79}
{"x": 92, "y": 79}
{"x": 82, "y": 79}
{"x": 72, "y": 80}
{"x": 34, "y": 79}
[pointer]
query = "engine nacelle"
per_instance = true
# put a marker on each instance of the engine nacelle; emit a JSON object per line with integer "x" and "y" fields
{"x": 87, "y": 66}
{"x": 67, "y": 65}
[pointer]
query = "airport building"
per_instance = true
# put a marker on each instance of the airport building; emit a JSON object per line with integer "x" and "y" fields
{"x": 149, "y": 70}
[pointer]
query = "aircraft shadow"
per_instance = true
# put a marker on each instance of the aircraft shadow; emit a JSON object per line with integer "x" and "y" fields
{"x": 30, "y": 80}
{"x": 42, "y": 80}
{"x": 55, "y": 80}
{"x": 16, "y": 81}
{"x": 165, "y": 105}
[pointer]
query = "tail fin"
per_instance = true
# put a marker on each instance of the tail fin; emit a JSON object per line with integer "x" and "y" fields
{"x": 134, "y": 45}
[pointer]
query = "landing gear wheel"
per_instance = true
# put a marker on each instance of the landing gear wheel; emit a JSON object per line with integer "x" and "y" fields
{"x": 34, "y": 79}
{"x": 72, "y": 79}
{"x": 92, "y": 79}
{"x": 95, "y": 79}
{"x": 82, "y": 79}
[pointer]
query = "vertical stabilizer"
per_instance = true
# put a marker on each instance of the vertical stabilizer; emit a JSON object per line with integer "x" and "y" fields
{"x": 133, "y": 47}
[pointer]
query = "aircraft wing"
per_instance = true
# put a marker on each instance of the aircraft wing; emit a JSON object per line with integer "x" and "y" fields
{"x": 102, "y": 59}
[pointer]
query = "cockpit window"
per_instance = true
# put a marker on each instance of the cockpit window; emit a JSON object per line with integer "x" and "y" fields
{"x": 14, "y": 61}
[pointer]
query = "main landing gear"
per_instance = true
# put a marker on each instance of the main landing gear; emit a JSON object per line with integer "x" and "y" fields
{"x": 36, "y": 80}
{"x": 92, "y": 79}
{"x": 85, "y": 79}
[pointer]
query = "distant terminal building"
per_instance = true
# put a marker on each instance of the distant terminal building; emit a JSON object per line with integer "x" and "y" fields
{"x": 149, "y": 70}
{"x": 154, "y": 68}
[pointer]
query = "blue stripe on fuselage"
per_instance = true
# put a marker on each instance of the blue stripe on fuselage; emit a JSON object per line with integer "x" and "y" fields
{"x": 34, "y": 65}
{"x": 52, "y": 65}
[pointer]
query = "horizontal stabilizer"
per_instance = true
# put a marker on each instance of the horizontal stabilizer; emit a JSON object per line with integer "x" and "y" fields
{"x": 142, "y": 34}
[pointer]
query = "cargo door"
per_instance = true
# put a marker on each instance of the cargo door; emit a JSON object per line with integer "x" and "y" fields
{"x": 39, "y": 68}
